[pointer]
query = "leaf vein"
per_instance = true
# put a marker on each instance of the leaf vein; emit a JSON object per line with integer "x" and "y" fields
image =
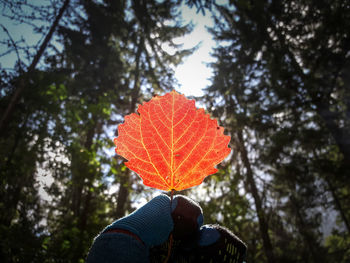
{"x": 193, "y": 148}
{"x": 149, "y": 157}
{"x": 194, "y": 167}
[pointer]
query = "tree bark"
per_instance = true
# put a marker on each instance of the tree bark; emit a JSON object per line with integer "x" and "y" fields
{"x": 340, "y": 135}
{"x": 83, "y": 193}
{"x": 21, "y": 83}
{"x": 124, "y": 181}
{"x": 263, "y": 225}
{"x": 17, "y": 181}
{"x": 338, "y": 204}
{"x": 123, "y": 194}
{"x": 304, "y": 231}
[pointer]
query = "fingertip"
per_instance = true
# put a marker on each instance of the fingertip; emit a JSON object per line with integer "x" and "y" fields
{"x": 208, "y": 235}
{"x": 186, "y": 200}
{"x": 163, "y": 196}
{"x": 161, "y": 199}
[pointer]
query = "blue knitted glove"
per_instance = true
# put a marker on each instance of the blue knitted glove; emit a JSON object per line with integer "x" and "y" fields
{"x": 152, "y": 223}
{"x": 130, "y": 238}
{"x": 211, "y": 243}
{"x": 218, "y": 244}
{"x": 187, "y": 217}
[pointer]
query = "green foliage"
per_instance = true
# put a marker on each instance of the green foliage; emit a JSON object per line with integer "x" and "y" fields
{"x": 277, "y": 85}
{"x": 280, "y": 88}
{"x": 338, "y": 247}
{"x": 56, "y": 174}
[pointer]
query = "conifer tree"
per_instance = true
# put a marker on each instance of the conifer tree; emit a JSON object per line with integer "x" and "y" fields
{"x": 279, "y": 74}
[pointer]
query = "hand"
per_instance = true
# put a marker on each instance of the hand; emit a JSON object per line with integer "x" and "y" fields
{"x": 154, "y": 222}
{"x": 187, "y": 216}
{"x": 210, "y": 243}
{"x": 149, "y": 227}
{"x": 213, "y": 243}
{"x": 218, "y": 244}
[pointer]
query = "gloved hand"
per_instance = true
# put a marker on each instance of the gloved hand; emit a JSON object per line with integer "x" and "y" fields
{"x": 148, "y": 228}
{"x": 218, "y": 244}
{"x": 130, "y": 238}
{"x": 210, "y": 243}
{"x": 154, "y": 222}
{"x": 213, "y": 243}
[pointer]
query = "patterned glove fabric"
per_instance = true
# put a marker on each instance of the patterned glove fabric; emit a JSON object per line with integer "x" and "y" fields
{"x": 209, "y": 244}
{"x": 152, "y": 223}
{"x": 143, "y": 236}
{"x": 213, "y": 244}
{"x": 187, "y": 217}
{"x": 130, "y": 238}
{"x": 218, "y": 244}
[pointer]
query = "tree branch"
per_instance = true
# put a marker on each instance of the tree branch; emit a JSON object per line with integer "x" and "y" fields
{"x": 21, "y": 85}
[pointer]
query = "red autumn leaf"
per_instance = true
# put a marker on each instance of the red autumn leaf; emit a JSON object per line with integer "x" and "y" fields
{"x": 171, "y": 144}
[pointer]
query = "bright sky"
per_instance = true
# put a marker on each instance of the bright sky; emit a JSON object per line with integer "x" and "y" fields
{"x": 193, "y": 75}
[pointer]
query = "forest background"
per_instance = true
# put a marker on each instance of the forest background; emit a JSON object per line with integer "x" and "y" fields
{"x": 280, "y": 87}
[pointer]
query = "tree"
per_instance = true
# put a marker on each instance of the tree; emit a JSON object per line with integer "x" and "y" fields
{"x": 110, "y": 59}
{"x": 110, "y": 68}
{"x": 23, "y": 81}
{"x": 275, "y": 78}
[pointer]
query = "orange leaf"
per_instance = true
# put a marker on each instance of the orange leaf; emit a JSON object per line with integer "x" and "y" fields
{"x": 171, "y": 144}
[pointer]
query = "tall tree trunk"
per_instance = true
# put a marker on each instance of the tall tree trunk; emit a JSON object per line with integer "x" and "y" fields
{"x": 21, "y": 84}
{"x": 263, "y": 225}
{"x": 338, "y": 204}
{"x": 124, "y": 181}
{"x": 123, "y": 194}
{"x": 84, "y": 195}
{"x": 304, "y": 231}
{"x": 340, "y": 135}
{"x": 16, "y": 182}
